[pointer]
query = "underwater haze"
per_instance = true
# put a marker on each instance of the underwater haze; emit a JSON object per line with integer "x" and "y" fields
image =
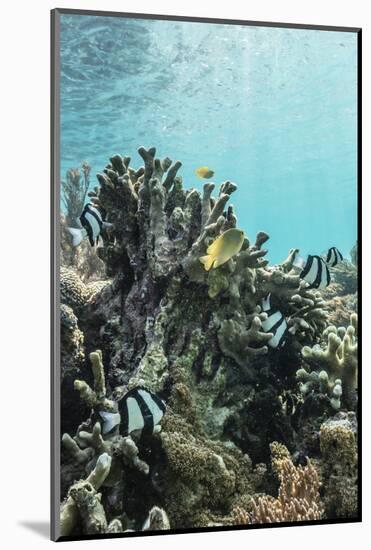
{"x": 272, "y": 109}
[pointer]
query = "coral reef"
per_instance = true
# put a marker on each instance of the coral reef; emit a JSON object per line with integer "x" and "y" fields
{"x": 338, "y": 440}
{"x": 74, "y": 190}
{"x": 335, "y": 363}
{"x": 195, "y": 337}
{"x": 298, "y": 496}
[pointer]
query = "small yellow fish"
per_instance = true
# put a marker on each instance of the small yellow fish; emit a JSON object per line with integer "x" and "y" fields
{"x": 204, "y": 172}
{"x": 226, "y": 246}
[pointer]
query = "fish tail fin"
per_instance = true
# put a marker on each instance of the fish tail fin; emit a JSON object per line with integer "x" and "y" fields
{"x": 207, "y": 261}
{"x": 76, "y": 234}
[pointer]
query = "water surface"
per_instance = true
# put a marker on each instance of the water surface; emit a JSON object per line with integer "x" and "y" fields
{"x": 272, "y": 109}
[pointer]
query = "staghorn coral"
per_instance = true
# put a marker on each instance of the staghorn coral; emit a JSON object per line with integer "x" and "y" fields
{"x": 298, "y": 496}
{"x": 338, "y": 441}
{"x": 335, "y": 363}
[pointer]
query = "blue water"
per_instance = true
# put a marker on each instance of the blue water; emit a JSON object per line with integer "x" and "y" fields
{"x": 273, "y": 110}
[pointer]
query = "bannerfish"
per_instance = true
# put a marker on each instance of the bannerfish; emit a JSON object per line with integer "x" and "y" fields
{"x": 204, "y": 172}
{"x": 275, "y": 323}
{"x": 315, "y": 272}
{"x": 333, "y": 257}
{"x": 290, "y": 403}
{"x": 227, "y": 245}
{"x": 139, "y": 409}
{"x": 92, "y": 222}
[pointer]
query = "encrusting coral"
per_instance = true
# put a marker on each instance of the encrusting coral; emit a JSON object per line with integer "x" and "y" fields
{"x": 338, "y": 440}
{"x": 195, "y": 338}
{"x": 74, "y": 292}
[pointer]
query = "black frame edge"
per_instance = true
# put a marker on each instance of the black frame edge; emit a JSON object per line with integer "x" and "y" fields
{"x": 196, "y": 19}
{"x": 54, "y": 286}
{"x": 359, "y": 265}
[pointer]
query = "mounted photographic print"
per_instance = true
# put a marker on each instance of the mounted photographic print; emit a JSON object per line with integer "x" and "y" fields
{"x": 205, "y": 213}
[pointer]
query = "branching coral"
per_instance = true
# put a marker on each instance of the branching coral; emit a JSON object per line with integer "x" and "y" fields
{"x": 163, "y": 293}
{"x": 335, "y": 363}
{"x": 195, "y": 337}
{"x": 83, "y": 503}
{"x": 83, "y": 258}
{"x": 74, "y": 191}
{"x": 298, "y": 496}
{"x": 87, "y": 446}
{"x": 239, "y": 342}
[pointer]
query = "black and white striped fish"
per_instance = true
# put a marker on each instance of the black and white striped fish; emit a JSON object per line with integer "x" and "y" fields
{"x": 316, "y": 272}
{"x": 139, "y": 410}
{"x": 92, "y": 222}
{"x": 290, "y": 403}
{"x": 275, "y": 323}
{"x": 333, "y": 257}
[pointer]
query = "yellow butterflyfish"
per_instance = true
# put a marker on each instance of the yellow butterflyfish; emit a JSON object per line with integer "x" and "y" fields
{"x": 227, "y": 245}
{"x": 204, "y": 172}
